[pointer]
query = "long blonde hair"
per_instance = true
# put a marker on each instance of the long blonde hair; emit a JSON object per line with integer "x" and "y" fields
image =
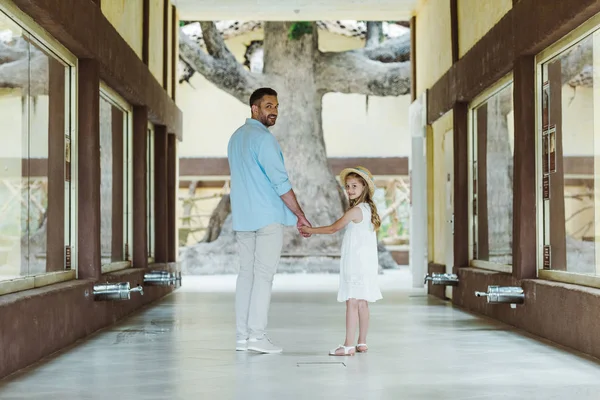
{"x": 365, "y": 197}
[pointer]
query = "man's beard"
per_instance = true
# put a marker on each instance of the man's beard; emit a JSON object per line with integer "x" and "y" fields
{"x": 267, "y": 122}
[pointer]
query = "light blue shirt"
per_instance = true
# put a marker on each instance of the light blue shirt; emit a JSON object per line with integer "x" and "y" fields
{"x": 258, "y": 179}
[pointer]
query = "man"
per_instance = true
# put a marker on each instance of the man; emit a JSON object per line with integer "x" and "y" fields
{"x": 262, "y": 202}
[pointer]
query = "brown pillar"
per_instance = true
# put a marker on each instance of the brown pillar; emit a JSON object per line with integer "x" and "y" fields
{"x": 55, "y": 238}
{"x": 89, "y": 262}
{"x": 117, "y": 220}
{"x": 413, "y": 58}
{"x": 461, "y": 186}
{"x": 140, "y": 231}
{"x": 146, "y": 31}
{"x": 161, "y": 193}
{"x": 454, "y": 29}
{"x": 524, "y": 180}
{"x": 557, "y": 179}
{"x": 172, "y": 196}
{"x": 483, "y": 242}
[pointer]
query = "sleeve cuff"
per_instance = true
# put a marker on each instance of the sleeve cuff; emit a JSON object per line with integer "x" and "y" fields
{"x": 283, "y": 188}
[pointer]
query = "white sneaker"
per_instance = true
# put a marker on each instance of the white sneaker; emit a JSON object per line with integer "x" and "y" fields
{"x": 241, "y": 345}
{"x": 263, "y": 345}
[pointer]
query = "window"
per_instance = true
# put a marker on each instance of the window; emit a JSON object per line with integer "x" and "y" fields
{"x": 492, "y": 150}
{"x": 568, "y": 128}
{"x": 150, "y": 192}
{"x": 37, "y": 156}
{"x": 115, "y": 181}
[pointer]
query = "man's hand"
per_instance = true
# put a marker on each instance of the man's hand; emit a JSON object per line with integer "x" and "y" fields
{"x": 302, "y": 221}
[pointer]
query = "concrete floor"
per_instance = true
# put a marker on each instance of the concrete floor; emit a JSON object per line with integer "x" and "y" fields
{"x": 420, "y": 348}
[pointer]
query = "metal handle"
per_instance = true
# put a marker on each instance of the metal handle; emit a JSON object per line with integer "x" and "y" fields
{"x": 138, "y": 288}
{"x": 441, "y": 279}
{"x": 503, "y": 295}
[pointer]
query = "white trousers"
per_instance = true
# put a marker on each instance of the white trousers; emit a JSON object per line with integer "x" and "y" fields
{"x": 259, "y": 253}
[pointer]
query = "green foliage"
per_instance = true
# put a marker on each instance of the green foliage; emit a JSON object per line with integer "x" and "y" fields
{"x": 299, "y": 29}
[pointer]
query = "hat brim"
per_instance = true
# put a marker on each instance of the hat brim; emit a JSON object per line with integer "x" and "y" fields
{"x": 360, "y": 173}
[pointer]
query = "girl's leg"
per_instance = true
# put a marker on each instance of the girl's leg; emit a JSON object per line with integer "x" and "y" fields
{"x": 351, "y": 322}
{"x": 363, "y": 317}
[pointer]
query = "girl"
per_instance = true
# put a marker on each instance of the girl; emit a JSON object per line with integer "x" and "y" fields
{"x": 359, "y": 263}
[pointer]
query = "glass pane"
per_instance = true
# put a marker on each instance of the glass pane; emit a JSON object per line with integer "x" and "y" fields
{"x": 14, "y": 152}
{"x": 570, "y": 148}
{"x": 46, "y": 180}
{"x": 112, "y": 182}
{"x": 493, "y": 152}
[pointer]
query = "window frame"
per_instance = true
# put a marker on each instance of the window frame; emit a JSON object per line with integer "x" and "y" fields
{"x": 572, "y": 38}
{"x": 41, "y": 38}
{"x": 118, "y": 101}
{"x": 478, "y": 101}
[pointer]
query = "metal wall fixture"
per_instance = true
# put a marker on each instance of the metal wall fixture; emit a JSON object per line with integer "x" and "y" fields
{"x": 115, "y": 291}
{"x": 442, "y": 279}
{"x": 161, "y": 278}
{"x": 512, "y": 295}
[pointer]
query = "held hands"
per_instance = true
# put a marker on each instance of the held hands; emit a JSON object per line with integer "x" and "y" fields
{"x": 301, "y": 225}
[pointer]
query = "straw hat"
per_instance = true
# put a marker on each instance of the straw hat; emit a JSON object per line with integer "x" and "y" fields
{"x": 364, "y": 173}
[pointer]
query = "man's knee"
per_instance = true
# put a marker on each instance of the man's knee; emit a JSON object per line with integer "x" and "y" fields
{"x": 265, "y": 270}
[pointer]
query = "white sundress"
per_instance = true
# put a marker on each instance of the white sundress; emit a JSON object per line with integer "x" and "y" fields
{"x": 360, "y": 263}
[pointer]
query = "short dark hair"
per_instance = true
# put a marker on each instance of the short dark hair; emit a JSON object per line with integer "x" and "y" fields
{"x": 258, "y": 94}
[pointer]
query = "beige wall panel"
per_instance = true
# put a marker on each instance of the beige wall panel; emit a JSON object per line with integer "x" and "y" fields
{"x": 127, "y": 18}
{"x": 434, "y": 46}
{"x": 440, "y": 144}
{"x": 578, "y": 124}
{"x": 155, "y": 39}
{"x": 476, "y": 18}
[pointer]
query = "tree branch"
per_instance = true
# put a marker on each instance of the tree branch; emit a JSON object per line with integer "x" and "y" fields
{"x": 393, "y": 50}
{"x": 371, "y": 71}
{"x": 577, "y": 64}
{"x": 224, "y": 71}
{"x": 23, "y": 66}
{"x": 18, "y": 51}
{"x": 215, "y": 45}
{"x": 374, "y": 33}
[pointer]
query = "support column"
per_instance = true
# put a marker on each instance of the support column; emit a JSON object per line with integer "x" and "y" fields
{"x": 55, "y": 238}
{"x": 140, "y": 228}
{"x": 461, "y": 186}
{"x": 483, "y": 237}
{"x": 161, "y": 194}
{"x": 117, "y": 252}
{"x": 172, "y": 187}
{"x": 89, "y": 262}
{"x": 524, "y": 179}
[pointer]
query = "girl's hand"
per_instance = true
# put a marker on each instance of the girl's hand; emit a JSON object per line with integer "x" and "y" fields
{"x": 305, "y": 229}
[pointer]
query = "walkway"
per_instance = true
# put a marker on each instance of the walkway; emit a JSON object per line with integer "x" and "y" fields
{"x": 421, "y": 348}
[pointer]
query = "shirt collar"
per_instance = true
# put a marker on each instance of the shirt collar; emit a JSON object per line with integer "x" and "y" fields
{"x": 252, "y": 121}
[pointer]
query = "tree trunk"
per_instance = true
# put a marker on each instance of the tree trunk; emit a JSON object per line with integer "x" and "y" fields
{"x": 300, "y": 133}
{"x": 217, "y": 219}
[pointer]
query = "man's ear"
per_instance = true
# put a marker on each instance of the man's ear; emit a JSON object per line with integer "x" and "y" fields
{"x": 254, "y": 109}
